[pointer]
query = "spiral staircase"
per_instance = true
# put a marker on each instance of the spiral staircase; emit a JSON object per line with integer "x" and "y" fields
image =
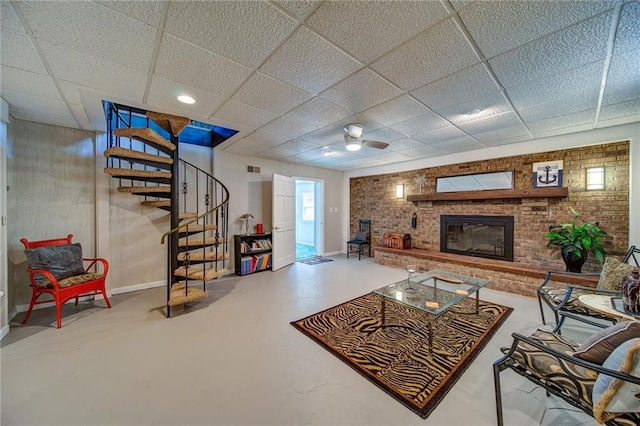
{"x": 143, "y": 156}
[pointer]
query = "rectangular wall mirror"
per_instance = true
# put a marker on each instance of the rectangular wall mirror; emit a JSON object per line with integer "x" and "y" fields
{"x": 475, "y": 182}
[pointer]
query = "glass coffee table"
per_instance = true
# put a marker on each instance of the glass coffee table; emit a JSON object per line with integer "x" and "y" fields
{"x": 434, "y": 293}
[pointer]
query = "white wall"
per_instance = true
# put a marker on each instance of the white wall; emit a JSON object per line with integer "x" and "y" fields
{"x": 4, "y": 267}
{"x": 625, "y": 132}
{"x": 251, "y": 193}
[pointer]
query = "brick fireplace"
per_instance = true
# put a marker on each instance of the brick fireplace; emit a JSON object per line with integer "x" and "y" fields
{"x": 490, "y": 237}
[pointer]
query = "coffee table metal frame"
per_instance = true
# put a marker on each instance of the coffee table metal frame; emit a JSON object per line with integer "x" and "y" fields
{"x": 434, "y": 293}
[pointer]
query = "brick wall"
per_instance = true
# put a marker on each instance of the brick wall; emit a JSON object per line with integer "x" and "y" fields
{"x": 373, "y": 197}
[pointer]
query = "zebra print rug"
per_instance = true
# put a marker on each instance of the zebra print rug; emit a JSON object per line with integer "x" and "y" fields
{"x": 397, "y": 359}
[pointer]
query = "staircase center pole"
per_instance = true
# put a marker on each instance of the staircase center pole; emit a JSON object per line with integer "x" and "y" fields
{"x": 175, "y": 219}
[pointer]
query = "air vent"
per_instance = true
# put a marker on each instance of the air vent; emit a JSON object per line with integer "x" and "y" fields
{"x": 253, "y": 169}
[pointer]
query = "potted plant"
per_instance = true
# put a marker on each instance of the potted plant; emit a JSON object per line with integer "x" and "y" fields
{"x": 576, "y": 241}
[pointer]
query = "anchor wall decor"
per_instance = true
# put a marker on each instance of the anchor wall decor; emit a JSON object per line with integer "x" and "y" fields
{"x": 547, "y": 174}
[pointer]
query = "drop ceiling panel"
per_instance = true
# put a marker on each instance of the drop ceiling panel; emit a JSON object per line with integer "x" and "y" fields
{"x": 361, "y": 91}
{"x": 262, "y": 91}
{"x": 95, "y": 28}
{"x": 289, "y": 126}
{"x": 625, "y": 110}
{"x": 309, "y": 62}
{"x": 148, "y": 12}
{"x": 287, "y": 149}
{"x": 438, "y": 52}
{"x": 564, "y": 130}
{"x": 577, "y": 85}
{"x": 243, "y": 31}
{"x": 421, "y": 124}
{"x": 97, "y": 73}
{"x": 368, "y": 32}
{"x": 391, "y": 157}
{"x": 628, "y": 32}
{"x": 245, "y": 147}
{"x": 194, "y": 66}
{"x": 18, "y": 52}
{"x": 266, "y": 140}
{"x": 499, "y": 26}
{"x": 38, "y": 109}
{"x": 492, "y": 122}
{"x": 424, "y": 151}
{"x": 396, "y": 110}
{"x": 81, "y": 116}
{"x": 28, "y": 83}
{"x": 623, "y": 79}
{"x": 244, "y": 114}
{"x": 473, "y": 82}
{"x": 558, "y": 122}
{"x": 9, "y": 20}
{"x": 299, "y": 8}
{"x": 576, "y": 46}
{"x": 404, "y": 144}
{"x": 319, "y": 112}
{"x": 493, "y": 104}
{"x": 383, "y": 134}
{"x": 440, "y": 135}
{"x": 71, "y": 91}
{"x": 497, "y": 136}
{"x": 325, "y": 136}
{"x": 458, "y": 145}
{"x": 163, "y": 93}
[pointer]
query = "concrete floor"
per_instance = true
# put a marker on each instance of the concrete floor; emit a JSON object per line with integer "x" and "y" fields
{"x": 235, "y": 360}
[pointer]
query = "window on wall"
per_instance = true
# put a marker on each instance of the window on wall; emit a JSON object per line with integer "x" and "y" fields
{"x": 308, "y": 206}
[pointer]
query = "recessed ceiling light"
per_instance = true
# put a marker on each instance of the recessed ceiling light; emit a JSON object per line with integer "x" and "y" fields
{"x": 186, "y": 99}
{"x": 474, "y": 112}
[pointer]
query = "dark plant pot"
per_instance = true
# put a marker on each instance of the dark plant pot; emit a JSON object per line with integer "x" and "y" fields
{"x": 574, "y": 263}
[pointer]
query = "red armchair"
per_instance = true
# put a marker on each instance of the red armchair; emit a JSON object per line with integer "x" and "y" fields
{"x": 56, "y": 267}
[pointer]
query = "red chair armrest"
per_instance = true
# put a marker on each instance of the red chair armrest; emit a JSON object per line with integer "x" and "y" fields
{"x": 95, "y": 262}
{"x": 48, "y": 275}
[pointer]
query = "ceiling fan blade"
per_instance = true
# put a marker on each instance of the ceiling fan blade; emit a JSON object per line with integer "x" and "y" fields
{"x": 375, "y": 144}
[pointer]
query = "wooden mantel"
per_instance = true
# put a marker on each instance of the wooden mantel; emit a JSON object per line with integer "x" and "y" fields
{"x": 499, "y": 194}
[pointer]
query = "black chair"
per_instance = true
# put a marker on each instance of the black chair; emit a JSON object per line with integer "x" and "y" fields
{"x": 565, "y": 298}
{"x": 362, "y": 238}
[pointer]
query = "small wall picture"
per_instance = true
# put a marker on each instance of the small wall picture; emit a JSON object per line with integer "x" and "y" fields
{"x": 547, "y": 174}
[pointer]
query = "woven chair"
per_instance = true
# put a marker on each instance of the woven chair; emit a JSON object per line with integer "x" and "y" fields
{"x": 362, "y": 238}
{"x": 566, "y": 298}
{"x": 600, "y": 377}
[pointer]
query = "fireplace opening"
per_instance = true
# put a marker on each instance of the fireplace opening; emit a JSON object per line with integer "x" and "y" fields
{"x": 482, "y": 236}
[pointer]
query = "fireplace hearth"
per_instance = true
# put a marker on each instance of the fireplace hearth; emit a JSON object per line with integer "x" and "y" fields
{"x": 482, "y": 236}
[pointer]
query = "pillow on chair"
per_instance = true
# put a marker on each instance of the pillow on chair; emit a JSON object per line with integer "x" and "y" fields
{"x": 613, "y": 273}
{"x": 600, "y": 345}
{"x": 612, "y": 395}
{"x": 61, "y": 261}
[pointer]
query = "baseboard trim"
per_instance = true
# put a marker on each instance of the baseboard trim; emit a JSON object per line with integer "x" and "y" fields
{"x": 137, "y": 287}
{"x": 4, "y": 331}
{"x": 334, "y": 253}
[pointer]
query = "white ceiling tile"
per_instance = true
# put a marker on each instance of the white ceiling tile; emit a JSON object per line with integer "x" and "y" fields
{"x": 498, "y": 26}
{"x": 368, "y": 32}
{"x": 424, "y": 151}
{"x": 309, "y": 62}
{"x": 194, "y": 66}
{"x": 287, "y": 149}
{"x": 243, "y": 31}
{"x": 561, "y": 51}
{"x": 244, "y": 114}
{"x": 86, "y": 70}
{"x": 264, "y": 92}
{"x": 491, "y": 141}
{"x": 34, "y": 108}
{"x": 458, "y": 145}
{"x": 266, "y": 140}
{"x": 325, "y": 136}
{"x": 289, "y": 126}
{"x": 399, "y": 109}
{"x": 489, "y": 105}
{"x": 628, "y": 32}
{"x": 492, "y": 122}
{"x": 579, "y": 86}
{"x": 148, "y": 12}
{"x": 421, "y": 124}
{"x": 361, "y": 91}
{"x": 404, "y": 144}
{"x": 81, "y": 116}
{"x": 473, "y": 82}
{"x": 28, "y": 83}
{"x": 319, "y": 112}
{"x": 71, "y": 91}
{"x": 440, "y": 51}
{"x": 626, "y": 110}
{"x": 493, "y": 137}
{"x": 440, "y": 135}
{"x": 623, "y": 79}
{"x": 383, "y": 134}
{"x": 164, "y": 93}
{"x": 299, "y": 8}
{"x": 96, "y": 29}
{"x": 9, "y": 20}
{"x": 617, "y": 121}
{"x": 387, "y": 156}
{"x": 244, "y": 147}
{"x": 18, "y": 52}
{"x": 563, "y": 130}
{"x": 562, "y": 121}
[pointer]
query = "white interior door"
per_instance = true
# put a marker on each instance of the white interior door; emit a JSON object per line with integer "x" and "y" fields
{"x": 284, "y": 220}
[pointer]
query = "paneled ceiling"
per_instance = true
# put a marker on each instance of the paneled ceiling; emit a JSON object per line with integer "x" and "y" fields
{"x": 289, "y": 75}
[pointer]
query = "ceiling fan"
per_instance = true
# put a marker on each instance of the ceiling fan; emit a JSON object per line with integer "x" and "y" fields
{"x": 353, "y": 138}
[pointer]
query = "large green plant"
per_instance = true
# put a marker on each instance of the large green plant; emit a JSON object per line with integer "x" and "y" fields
{"x": 578, "y": 240}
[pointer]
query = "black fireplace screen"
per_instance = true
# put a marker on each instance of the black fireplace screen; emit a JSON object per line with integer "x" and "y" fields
{"x": 482, "y": 236}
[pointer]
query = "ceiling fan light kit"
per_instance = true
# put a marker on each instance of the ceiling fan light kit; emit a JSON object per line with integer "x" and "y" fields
{"x": 351, "y": 143}
{"x": 354, "y": 130}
